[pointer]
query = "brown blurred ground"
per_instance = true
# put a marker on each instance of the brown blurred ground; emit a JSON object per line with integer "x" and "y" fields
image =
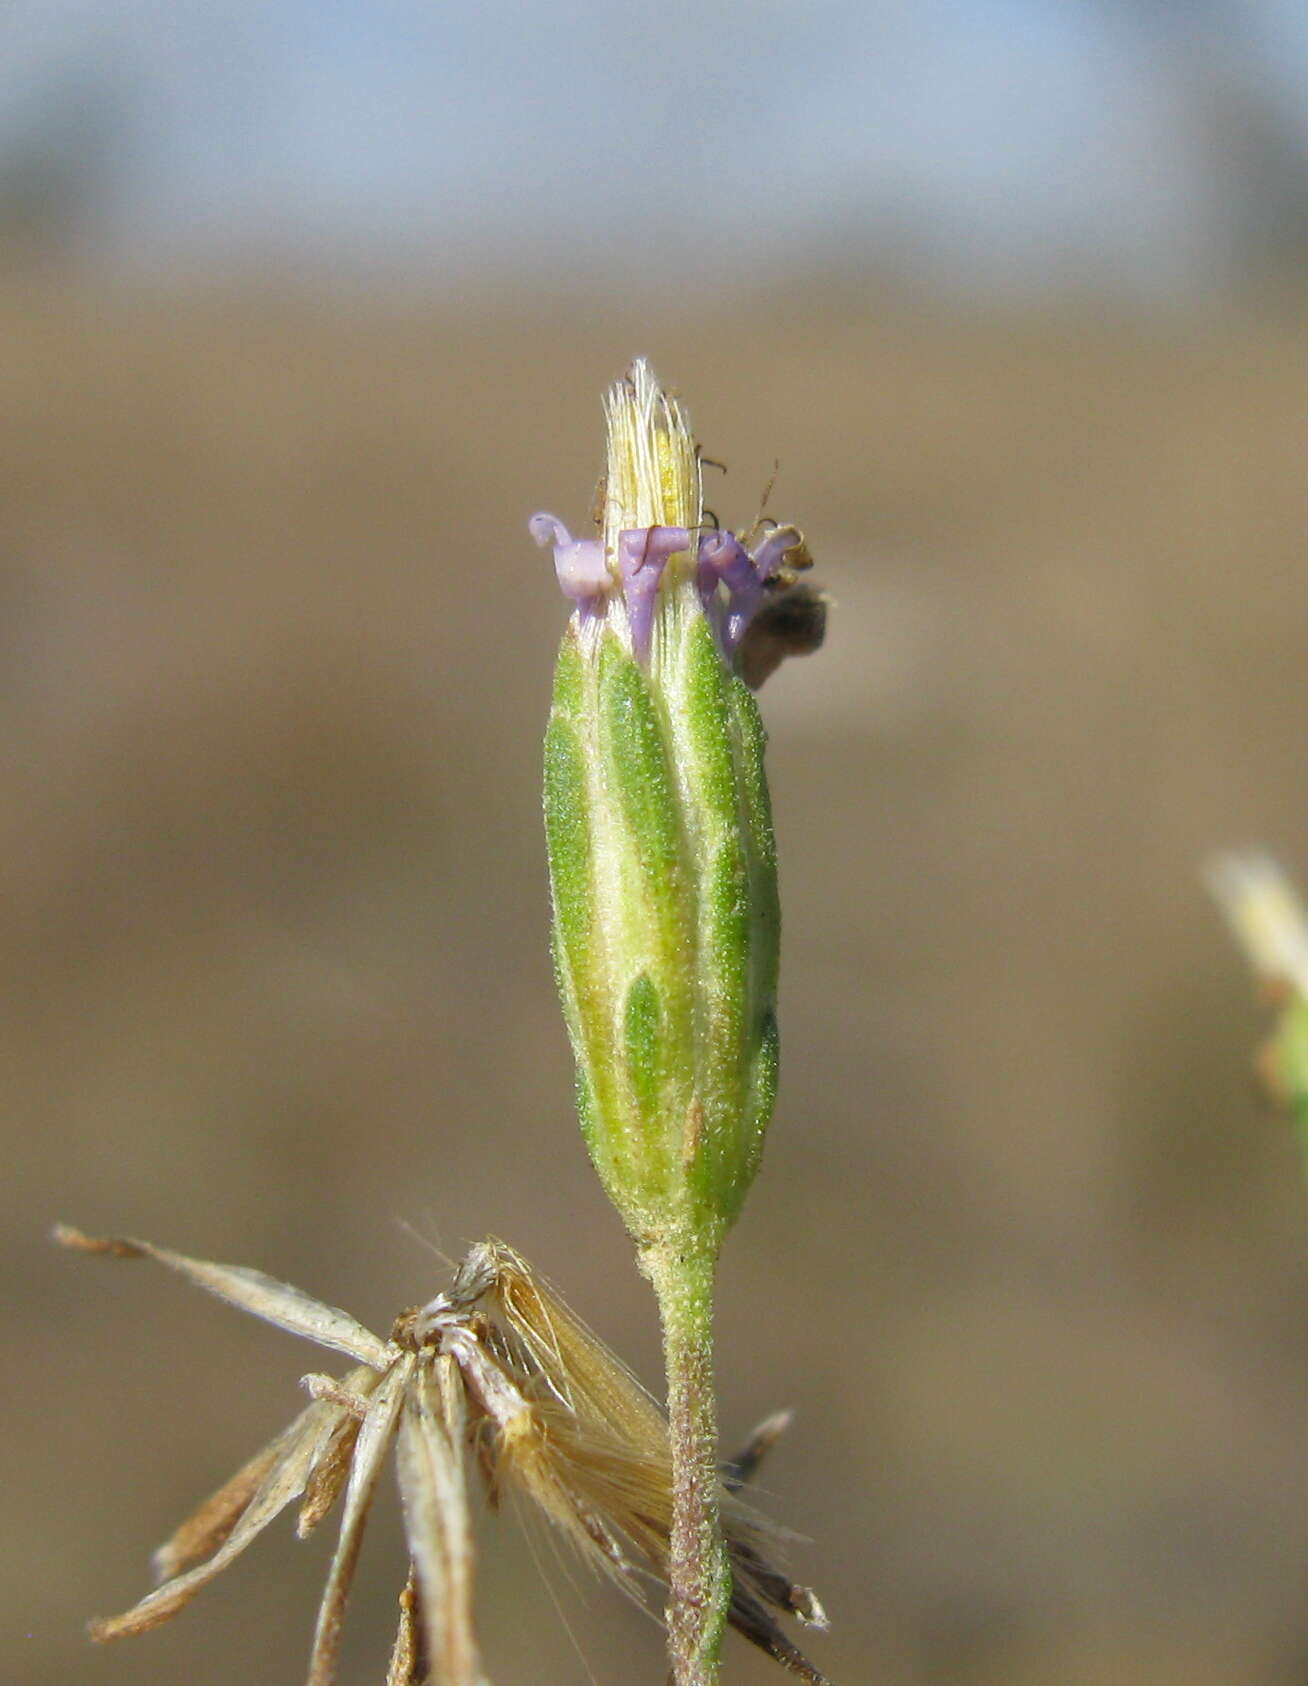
{"x": 1024, "y": 1257}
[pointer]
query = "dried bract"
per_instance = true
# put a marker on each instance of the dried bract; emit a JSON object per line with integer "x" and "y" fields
{"x": 498, "y": 1366}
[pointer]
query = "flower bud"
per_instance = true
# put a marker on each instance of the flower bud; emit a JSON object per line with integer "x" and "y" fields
{"x": 662, "y": 863}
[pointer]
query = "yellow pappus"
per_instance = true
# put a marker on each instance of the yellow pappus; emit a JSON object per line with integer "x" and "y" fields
{"x": 498, "y": 1367}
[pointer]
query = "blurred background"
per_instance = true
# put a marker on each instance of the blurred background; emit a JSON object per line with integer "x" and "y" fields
{"x": 304, "y": 309}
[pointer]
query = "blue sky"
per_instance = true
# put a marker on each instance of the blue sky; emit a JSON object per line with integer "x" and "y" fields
{"x": 1006, "y": 140}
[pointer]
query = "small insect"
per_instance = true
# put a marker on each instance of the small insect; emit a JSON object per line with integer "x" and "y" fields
{"x": 791, "y": 622}
{"x": 496, "y": 1369}
{"x": 792, "y": 618}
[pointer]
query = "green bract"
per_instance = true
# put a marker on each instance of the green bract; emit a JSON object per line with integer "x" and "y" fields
{"x": 665, "y": 919}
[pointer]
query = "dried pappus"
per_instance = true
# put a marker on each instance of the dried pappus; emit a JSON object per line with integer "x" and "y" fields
{"x": 497, "y": 1365}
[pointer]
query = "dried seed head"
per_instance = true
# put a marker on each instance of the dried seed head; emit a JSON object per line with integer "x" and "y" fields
{"x": 497, "y": 1364}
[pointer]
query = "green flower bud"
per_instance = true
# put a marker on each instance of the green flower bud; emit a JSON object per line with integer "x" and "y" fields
{"x": 662, "y": 862}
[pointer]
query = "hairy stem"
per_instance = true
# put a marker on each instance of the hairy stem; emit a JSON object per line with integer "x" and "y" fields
{"x": 699, "y": 1574}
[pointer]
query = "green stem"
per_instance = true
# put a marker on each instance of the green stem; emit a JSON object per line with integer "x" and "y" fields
{"x": 699, "y": 1573}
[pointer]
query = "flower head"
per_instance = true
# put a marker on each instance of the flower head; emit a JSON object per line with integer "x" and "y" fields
{"x": 662, "y": 861}
{"x": 655, "y": 558}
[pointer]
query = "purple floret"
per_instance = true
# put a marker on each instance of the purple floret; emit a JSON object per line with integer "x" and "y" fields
{"x": 724, "y": 561}
{"x": 579, "y": 563}
{"x": 732, "y": 581}
{"x": 643, "y": 554}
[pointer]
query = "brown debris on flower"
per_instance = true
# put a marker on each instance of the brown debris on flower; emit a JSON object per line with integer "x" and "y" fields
{"x": 497, "y": 1365}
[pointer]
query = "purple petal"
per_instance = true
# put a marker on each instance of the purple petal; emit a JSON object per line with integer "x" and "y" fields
{"x": 643, "y": 554}
{"x": 723, "y": 559}
{"x": 579, "y": 564}
{"x": 548, "y": 529}
{"x": 769, "y": 556}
